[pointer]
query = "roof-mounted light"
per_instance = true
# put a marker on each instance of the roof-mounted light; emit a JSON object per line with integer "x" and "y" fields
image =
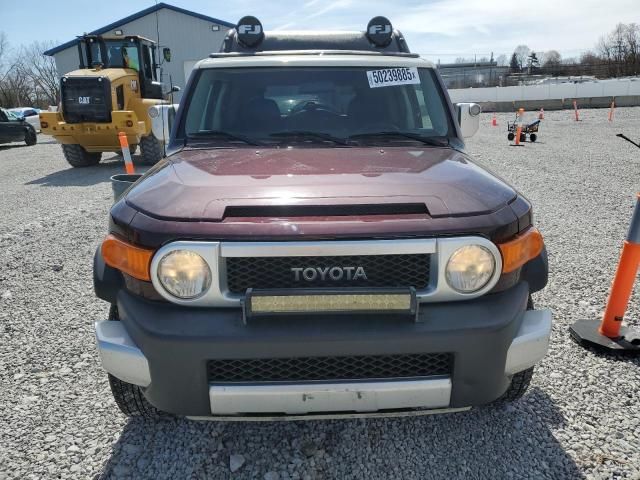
{"x": 250, "y": 32}
{"x": 380, "y": 31}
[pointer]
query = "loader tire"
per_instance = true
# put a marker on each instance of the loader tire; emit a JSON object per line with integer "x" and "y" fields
{"x": 79, "y": 157}
{"x": 151, "y": 150}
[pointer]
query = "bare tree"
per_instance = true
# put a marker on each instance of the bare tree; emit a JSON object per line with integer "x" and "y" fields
{"x": 502, "y": 60}
{"x": 42, "y": 72}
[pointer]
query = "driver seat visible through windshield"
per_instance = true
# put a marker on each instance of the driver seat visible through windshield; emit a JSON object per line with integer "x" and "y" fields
{"x": 260, "y": 114}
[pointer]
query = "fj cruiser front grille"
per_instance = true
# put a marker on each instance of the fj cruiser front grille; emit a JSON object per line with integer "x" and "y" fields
{"x": 411, "y": 270}
{"x": 365, "y": 367}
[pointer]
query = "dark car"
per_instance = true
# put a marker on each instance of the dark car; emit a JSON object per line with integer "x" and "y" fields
{"x": 319, "y": 243}
{"x": 14, "y": 129}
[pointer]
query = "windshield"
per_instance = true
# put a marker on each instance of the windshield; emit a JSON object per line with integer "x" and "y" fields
{"x": 324, "y": 105}
{"x": 119, "y": 53}
{"x": 11, "y": 115}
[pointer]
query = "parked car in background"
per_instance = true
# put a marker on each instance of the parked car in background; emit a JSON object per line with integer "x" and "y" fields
{"x": 30, "y": 115}
{"x": 15, "y": 129}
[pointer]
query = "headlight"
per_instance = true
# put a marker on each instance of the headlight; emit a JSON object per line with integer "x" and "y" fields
{"x": 470, "y": 268}
{"x": 184, "y": 274}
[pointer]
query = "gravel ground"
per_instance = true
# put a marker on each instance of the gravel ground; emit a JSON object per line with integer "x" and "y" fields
{"x": 581, "y": 417}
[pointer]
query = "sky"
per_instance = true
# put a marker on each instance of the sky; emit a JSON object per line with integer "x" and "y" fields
{"x": 438, "y": 29}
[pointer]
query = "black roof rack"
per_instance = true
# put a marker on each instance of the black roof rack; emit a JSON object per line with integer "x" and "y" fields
{"x": 249, "y": 38}
{"x": 311, "y": 52}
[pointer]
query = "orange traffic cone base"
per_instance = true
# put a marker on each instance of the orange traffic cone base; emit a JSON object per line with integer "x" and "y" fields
{"x": 587, "y": 333}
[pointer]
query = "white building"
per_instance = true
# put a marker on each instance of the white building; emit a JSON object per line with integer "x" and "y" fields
{"x": 191, "y": 36}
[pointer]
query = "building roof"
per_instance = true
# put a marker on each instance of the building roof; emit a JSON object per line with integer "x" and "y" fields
{"x": 136, "y": 16}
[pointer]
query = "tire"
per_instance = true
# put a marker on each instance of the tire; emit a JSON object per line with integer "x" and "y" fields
{"x": 510, "y": 136}
{"x": 523, "y": 137}
{"x": 533, "y": 137}
{"x": 129, "y": 398}
{"x": 78, "y": 157}
{"x": 151, "y": 150}
{"x": 30, "y": 137}
{"x": 131, "y": 401}
{"x": 519, "y": 385}
{"x": 520, "y": 381}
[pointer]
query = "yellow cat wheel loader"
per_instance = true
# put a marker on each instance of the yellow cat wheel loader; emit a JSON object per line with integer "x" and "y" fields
{"x": 111, "y": 92}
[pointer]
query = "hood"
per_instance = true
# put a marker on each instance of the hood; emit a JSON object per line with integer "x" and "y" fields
{"x": 201, "y": 185}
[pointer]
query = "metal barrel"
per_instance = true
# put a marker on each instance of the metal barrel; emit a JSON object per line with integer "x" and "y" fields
{"x": 121, "y": 182}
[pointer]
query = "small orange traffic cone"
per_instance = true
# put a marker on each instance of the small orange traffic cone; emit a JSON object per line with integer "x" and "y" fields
{"x": 124, "y": 145}
{"x": 494, "y": 121}
{"x": 541, "y": 114}
{"x": 611, "y": 110}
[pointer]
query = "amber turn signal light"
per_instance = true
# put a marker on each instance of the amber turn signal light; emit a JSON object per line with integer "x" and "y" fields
{"x": 524, "y": 247}
{"x": 44, "y": 125}
{"x": 127, "y": 258}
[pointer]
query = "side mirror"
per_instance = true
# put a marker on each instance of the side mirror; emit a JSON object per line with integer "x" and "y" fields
{"x": 468, "y": 118}
{"x": 166, "y": 54}
{"x": 162, "y": 117}
{"x": 175, "y": 88}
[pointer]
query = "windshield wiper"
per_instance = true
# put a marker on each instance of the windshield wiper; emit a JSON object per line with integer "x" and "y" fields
{"x": 413, "y": 136}
{"x": 310, "y": 134}
{"x": 205, "y": 134}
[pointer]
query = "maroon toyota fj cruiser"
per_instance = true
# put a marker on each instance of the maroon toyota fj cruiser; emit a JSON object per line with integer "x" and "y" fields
{"x": 318, "y": 243}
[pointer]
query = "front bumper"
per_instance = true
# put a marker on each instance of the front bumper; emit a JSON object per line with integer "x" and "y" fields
{"x": 96, "y": 137}
{"x": 165, "y": 349}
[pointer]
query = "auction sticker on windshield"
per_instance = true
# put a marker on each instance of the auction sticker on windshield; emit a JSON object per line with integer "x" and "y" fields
{"x": 389, "y": 77}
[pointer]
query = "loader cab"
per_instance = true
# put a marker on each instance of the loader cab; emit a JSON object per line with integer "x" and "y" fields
{"x": 131, "y": 52}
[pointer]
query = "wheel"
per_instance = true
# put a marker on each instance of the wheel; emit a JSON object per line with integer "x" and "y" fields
{"x": 523, "y": 137}
{"x": 533, "y": 137}
{"x": 131, "y": 401}
{"x": 79, "y": 157}
{"x": 151, "y": 150}
{"x": 519, "y": 385}
{"x": 520, "y": 381}
{"x": 510, "y": 136}
{"x": 30, "y": 137}
{"x": 129, "y": 397}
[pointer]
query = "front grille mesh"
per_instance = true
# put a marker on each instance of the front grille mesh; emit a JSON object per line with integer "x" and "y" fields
{"x": 410, "y": 270}
{"x": 330, "y": 368}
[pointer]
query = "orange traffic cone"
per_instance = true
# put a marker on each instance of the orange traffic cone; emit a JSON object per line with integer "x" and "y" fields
{"x": 609, "y": 334}
{"x": 126, "y": 154}
{"x": 611, "y": 110}
{"x": 541, "y": 114}
{"x": 494, "y": 121}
